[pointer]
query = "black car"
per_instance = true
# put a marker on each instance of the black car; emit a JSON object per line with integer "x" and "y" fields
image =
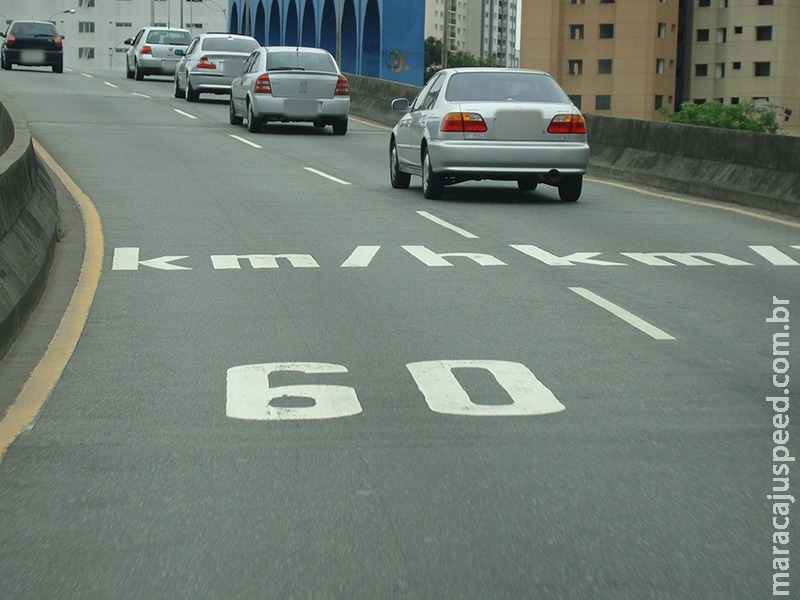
{"x": 34, "y": 44}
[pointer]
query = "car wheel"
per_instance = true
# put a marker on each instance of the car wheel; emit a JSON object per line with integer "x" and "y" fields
{"x": 232, "y": 116}
{"x": 319, "y": 124}
{"x": 399, "y": 179}
{"x": 340, "y": 127}
{"x": 254, "y": 124}
{"x": 128, "y": 71}
{"x": 138, "y": 75}
{"x": 526, "y": 184}
{"x": 176, "y": 90}
{"x": 432, "y": 184}
{"x": 7, "y": 64}
{"x": 569, "y": 189}
{"x": 192, "y": 95}
{"x": 58, "y": 67}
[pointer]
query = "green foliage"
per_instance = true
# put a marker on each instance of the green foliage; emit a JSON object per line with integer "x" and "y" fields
{"x": 433, "y": 58}
{"x": 744, "y": 116}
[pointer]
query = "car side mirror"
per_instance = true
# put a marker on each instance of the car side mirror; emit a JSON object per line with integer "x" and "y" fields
{"x": 128, "y": 42}
{"x": 400, "y": 104}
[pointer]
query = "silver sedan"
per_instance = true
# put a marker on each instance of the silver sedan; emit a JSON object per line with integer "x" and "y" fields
{"x": 210, "y": 63}
{"x": 291, "y": 84}
{"x": 490, "y": 123}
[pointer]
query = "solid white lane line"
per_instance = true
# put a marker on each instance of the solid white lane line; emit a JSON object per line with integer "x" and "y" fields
{"x": 640, "y": 324}
{"x": 447, "y": 225}
{"x": 326, "y": 176}
{"x": 185, "y": 114}
{"x": 244, "y": 141}
{"x": 109, "y": 84}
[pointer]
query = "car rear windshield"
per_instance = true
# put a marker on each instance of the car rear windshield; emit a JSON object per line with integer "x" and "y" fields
{"x": 307, "y": 61}
{"x": 172, "y": 38}
{"x": 503, "y": 87}
{"x": 33, "y": 29}
{"x": 224, "y": 44}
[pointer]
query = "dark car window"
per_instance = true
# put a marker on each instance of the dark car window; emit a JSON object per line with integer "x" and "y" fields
{"x": 223, "y": 44}
{"x": 308, "y": 61}
{"x": 499, "y": 87}
{"x": 33, "y": 29}
{"x": 175, "y": 38}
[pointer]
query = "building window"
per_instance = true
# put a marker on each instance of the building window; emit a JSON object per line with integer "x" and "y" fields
{"x": 579, "y": 1}
{"x": 662, "y": 30}
{"x": 738, "y": 30}
{"x": 762, "y": 69}
{"x": 122, "y": 24}
{"x": 722, "y": 35}
{"x": 86, "y": 27}
{"x": 703, "y": 35}
{"x": 764, "y": 33}
{"x": 602, "y": 102}
{"x": 576, "y": 100}
{"x": 575, "y": 67}
{"x": 719, "y": 70}
{"x": 85, "y": 3}
{"x": 85, "y": 52}
{"x": 606, "y": 31}
{"x": 606, "y": 1}
{"x": 659, "y": 102}
{"x": 604, "y": 66}
{"x": 701, "y": 70}
{"x": 660, "y": 66}
{"x": 576, "y": 32}
{"x": 699, "y": 101}
{"x": 766, "y": 2}
{"x": 735, "y": 100}
{"x": 737, "y": 65}
{"x": 704, "y": 3}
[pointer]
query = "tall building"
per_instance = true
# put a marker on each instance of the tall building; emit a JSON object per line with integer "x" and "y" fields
{"x": 739, "y": 50}
{"x": 628, "y": 58}
{"x": 486, "y": 29}
{"x": 95, "y": 31}
{"x": 614, "y": 57}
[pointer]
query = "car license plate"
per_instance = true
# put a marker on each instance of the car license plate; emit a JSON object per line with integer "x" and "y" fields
{"x": 31, "y": 57}
{"x": 301, "y": 108}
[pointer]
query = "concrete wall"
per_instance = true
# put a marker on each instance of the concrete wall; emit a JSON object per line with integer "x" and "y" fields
{"x": 753, "y": 169}
{"x": 28, "y": 217}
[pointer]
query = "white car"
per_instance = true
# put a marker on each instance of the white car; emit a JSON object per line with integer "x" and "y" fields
{"x": 291, "y": 84}
{"x": 155, "y": 51}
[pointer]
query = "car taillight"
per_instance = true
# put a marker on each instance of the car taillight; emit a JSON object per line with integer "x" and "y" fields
{"x": 204, "y": 63}
{"x": 342, "y": 87}
{"x": 262, "y": 86}
{"x": 572, "y": 123}
{"x": 58, "y": 42}
{"x": 458, "y": 122}
{"x": 10, "y": 39}
{"x": 146, "y": 50}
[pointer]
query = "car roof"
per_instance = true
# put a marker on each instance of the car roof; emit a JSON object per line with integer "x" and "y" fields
{"x": 494, "y": 70}
{"x": 223, "y": 34}
{"x": 165, "y": 29}
{"x": 295, "y": 48}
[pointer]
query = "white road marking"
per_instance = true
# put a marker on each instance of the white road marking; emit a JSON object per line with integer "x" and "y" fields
{"x": 87, "y": 75}
{"x": 140, "y": 95}
{"x": 775, "y": 256}
{"x": 244, "y": 141}
{"x": 326, "y": 176}
{"x": 447, "y": 225}
{"x": 640, "y": 324}
{"x": 109, "y": 84}
{"x": 185, "y": 114}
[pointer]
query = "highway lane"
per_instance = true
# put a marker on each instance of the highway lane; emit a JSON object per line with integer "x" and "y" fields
{"x": 646, "y": 477}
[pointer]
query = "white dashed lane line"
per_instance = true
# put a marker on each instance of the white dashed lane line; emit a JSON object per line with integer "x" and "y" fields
{"x": 244, "y": 141}
{"x": 326, "y": 176}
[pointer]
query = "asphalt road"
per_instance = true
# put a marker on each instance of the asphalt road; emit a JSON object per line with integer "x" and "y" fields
{"x": 297, "y": 382}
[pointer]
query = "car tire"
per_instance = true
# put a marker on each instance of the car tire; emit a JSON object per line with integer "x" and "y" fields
{"x": 526, "y": 184}
{"x": 319, "y": 124}
{"x": 138, "y": 75}
{"x": 432, "y": 183}
{"x": 176, "y": 90}
{"x": 128, "y": 71}
{"x": 340, "y": 127}
{"x": 7, "y": 64}
{"x": 58, "y": 67}
{"x": 232, "y": 116}
{"x": 192, "y": 95}
{"x": 254, "y": 124}
{"x": 569, "y": 189}
{"x": 398, "y": 178}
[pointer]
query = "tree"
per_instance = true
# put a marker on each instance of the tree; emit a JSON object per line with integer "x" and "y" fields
{"x": 744, "y": 116}
{"x": 433, "y": 58}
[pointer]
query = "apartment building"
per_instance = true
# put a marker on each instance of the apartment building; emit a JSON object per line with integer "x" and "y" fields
{"x": 484, "y": 28}
{"x": 744, "y": 50}
{"x": 95, "y": 29}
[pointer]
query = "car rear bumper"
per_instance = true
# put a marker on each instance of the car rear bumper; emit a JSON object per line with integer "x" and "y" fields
{"x": 294, "y": 109}
{"x": 156, "y": 66}
{"x": 34, "y": 57}
{"x": 212, "y": 84}
{"x": 463, "y": 157}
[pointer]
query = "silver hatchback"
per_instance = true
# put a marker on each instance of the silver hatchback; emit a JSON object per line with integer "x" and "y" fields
{"x": 490, "y": 123}
{"x": 154, "y": 51}
{"x": 210, "y": 63}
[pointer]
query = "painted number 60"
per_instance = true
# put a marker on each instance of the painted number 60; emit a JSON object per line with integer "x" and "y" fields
{"x": 250, "y": 396}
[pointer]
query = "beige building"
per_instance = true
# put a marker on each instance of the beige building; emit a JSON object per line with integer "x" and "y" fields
{"x": 484, "y": 28}
{"x": 612, "y": 57}
{"x": 745, "y": 50}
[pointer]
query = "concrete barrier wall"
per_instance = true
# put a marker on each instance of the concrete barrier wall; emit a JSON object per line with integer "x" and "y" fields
{"x": 28, "y": 218}
{"x": 752, "y": 169}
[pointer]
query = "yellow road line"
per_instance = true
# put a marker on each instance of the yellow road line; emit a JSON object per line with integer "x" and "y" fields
{"x": 47, "y": 373}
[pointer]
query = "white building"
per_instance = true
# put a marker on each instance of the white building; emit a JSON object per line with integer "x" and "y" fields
{"x": 95, "y": 29}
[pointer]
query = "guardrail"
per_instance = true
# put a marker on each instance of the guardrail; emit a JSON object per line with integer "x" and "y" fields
{"x": 28, "y": 218}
